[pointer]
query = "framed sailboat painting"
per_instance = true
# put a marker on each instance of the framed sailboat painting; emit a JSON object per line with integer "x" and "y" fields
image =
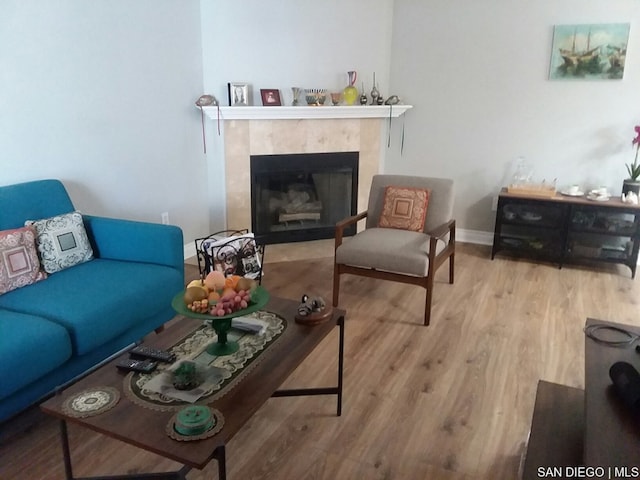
{"x": 589, "y": 52}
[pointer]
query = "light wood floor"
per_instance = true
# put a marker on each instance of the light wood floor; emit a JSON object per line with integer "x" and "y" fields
{"x": 451, "y": 401}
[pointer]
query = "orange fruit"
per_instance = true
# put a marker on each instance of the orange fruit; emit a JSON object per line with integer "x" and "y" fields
{"x": 214, "y": 296}
{"x": 232, "y": 281}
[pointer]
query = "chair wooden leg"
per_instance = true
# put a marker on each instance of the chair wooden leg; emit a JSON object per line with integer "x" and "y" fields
{"x": 427, "y": 306}
{"x": 336, "y": 284}
{"x": 451, "y": 260}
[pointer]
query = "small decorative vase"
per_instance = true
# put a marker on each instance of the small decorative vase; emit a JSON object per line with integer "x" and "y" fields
{"x": 629, "y": 185}
{"x": 363, "y": 96}
{"x": 350, "y": 93}
{"x": 296, "y": 95}
{"x": 375, "y": 94}
{"x": 336, "y": 98}
{"x": 315, "y": 96}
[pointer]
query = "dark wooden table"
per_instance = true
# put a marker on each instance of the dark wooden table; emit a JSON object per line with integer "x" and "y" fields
{"x": 612, "y": 431}
{"x": 574, "y": 428}
{"x": 145, "y": 428}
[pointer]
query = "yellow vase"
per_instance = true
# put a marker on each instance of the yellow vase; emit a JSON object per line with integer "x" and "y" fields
{"x": 350, "y": 93}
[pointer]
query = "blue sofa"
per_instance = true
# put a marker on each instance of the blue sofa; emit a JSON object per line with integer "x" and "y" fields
{"x": 55, "y": 329}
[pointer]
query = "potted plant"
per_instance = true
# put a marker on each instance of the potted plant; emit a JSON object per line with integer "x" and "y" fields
{"x": 632, "y": 184}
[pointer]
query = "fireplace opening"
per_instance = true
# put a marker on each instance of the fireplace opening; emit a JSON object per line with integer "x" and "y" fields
{"x": 300, "y": 197}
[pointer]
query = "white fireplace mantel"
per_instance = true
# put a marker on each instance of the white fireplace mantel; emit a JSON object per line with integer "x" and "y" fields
{"x": 305, "y": 112}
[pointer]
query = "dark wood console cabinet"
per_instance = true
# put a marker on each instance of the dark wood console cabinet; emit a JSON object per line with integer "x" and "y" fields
{"x": 563, "y": 229}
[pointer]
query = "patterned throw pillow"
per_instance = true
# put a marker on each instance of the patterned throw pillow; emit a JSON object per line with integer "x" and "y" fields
{"x": 404, "y": 208}
{"x": 19, "y": 265}
{"x": 62, "y": 241}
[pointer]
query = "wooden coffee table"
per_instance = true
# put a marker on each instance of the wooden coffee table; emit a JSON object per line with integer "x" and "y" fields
{"x": 145, "y": 428}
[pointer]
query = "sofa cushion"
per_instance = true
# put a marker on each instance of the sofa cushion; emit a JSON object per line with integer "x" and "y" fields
{"x": 19, "y": 265}
{"x": 30, "y": 347}
{"x": 62, "y": 241}
{"x": 98, "y": 300}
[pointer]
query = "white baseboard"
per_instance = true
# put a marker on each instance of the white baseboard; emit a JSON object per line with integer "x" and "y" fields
{"x": 474, "y": 236}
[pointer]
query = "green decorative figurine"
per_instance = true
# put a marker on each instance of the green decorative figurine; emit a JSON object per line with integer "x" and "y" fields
{"x": 185, "y": 377}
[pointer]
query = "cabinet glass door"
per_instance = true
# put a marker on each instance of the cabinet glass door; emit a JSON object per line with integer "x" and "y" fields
{"x": 535, "y": 228}
{"x": 602, "y": 233}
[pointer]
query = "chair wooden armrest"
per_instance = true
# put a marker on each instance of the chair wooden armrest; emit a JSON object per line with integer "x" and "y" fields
{"x": 342, "y": 224}
{"x": 437, "y": 234}
{"x": 443, "y": 229}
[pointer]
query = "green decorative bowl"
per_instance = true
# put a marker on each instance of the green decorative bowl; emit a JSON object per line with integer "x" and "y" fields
{"x": 194, "y": 420}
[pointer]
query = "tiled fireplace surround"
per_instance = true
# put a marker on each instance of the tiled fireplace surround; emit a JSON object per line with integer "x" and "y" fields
{"x": 243, "y": 138}
{"x": 301, "y": 129}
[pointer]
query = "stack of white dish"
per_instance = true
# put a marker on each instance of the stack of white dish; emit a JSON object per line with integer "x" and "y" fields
{"x": 573, "y": 191}
{"x": 599, "y": 194}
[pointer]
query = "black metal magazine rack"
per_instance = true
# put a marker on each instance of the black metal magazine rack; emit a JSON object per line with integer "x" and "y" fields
{"x": 232, "y": 252}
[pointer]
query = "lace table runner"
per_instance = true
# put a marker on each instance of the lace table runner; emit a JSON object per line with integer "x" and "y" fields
{"x": 229, "y": 369}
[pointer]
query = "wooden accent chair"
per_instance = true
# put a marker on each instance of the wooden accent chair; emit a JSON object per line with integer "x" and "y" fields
{"x": 399, "y": 255}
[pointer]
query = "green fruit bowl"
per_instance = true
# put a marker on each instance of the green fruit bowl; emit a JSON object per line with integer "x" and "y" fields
{"x": 259, "y": 298}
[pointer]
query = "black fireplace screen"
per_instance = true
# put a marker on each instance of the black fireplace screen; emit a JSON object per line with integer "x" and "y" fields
{"x": 300, "y": 197}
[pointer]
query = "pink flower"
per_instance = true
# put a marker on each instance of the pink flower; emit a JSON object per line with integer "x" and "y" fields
{"x": 634, "y": 168}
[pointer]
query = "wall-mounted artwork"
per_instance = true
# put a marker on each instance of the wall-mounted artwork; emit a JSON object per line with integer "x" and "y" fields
{"x": 589, "y": 52}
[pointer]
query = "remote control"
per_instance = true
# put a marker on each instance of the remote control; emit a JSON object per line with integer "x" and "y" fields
{"x": 143, "y": 366}
{"x": 152, "y": 353}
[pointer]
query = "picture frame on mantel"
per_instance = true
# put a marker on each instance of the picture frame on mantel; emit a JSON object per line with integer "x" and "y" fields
{"x": 270, "y": 97}
{"x": 239, "y": 94}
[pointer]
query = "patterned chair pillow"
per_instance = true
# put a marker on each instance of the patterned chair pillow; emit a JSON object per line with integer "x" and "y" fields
{"x": 19, "y": 265}
{"x": 62, "y": 241}
{"x": 404, "y": 208}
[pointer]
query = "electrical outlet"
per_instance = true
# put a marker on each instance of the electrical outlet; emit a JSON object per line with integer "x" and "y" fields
{"x": 165, "y": 218}
{"x": 494, "y": 204}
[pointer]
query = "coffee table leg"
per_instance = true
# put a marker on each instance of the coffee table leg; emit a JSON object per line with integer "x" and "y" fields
{"x": 296, "y": 392}
{"x": 220, "y": 455}
{"x": 65, "y": 450}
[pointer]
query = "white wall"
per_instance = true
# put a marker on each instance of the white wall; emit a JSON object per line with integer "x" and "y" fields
{"x": 477, "y": 72}
{"x": 286, "y": 43}
{"x": 101, "y": 95}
